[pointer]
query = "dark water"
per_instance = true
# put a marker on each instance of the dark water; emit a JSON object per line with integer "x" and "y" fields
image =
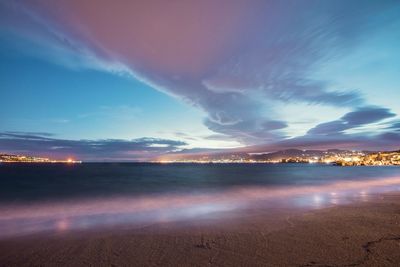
{"x": 25, "y": 182}
{"x": 20, "y": 182}
{"x": 61, "y": 197}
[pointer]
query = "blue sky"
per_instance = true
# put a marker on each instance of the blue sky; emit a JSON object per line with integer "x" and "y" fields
{"x": 80, "y": 103}
{"x": 264, "y": 75}
{"x": 83, "y": 103}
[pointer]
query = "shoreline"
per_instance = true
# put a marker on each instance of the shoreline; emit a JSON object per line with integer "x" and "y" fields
{"x": 25, "y": 218}
{"x": 357, "y": 234}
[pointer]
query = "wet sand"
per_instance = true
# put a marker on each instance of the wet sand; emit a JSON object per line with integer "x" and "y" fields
{"x": 360, "y": 234}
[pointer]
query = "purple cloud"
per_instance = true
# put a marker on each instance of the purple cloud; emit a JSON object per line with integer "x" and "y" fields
{"x": 232, "y": 59}
{"x": 90, "y": 150}
{"x": 357, "y": 118}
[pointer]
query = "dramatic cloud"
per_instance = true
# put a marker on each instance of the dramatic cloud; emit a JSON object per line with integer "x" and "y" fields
{"x": 234, "y": 59}
{"x": 137, "y": 149}
{"x": 357, "y": 118}
{"x": 325, "y": 136}
{"x": 217, "y": 54}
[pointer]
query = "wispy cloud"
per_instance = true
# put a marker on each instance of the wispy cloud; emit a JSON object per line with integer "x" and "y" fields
{"x": 359, "y": 117}
{"x": 232, "y": 59}
{"x": 106, "y": 149}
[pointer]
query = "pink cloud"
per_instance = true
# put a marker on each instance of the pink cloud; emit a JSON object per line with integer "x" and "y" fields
{"x": 226, "y": 57}
{"x": 178, "y": 38}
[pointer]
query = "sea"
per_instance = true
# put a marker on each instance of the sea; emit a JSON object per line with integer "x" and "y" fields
{"x": 48, "y": 198}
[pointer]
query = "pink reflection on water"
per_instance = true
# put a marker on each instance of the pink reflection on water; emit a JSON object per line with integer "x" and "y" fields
{"x": 62, "y": 225}
{"x": 80, "y": 214}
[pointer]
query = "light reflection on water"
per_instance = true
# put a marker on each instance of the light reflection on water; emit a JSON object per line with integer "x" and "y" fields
{"x": 84, "y": 214}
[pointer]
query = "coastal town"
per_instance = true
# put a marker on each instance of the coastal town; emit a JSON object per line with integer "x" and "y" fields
{"x": 7, "y": 158}
{"x": 372, "y": 159}
{"x": 333, "y": 157}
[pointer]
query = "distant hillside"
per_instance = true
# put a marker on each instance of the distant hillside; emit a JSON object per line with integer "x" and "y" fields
{"x": 273, "y": 156}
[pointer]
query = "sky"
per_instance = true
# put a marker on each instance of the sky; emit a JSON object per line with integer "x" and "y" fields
{"x": 133, "y": 80}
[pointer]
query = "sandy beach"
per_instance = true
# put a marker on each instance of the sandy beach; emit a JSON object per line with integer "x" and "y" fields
{"x": 358, "y": 234}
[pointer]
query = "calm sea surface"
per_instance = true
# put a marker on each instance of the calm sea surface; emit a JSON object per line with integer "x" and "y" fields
{"x": 25, "y": 182}
{"x": 62, "y": 197}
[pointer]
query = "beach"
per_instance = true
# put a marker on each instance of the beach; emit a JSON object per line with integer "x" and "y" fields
{"x": 199, "y": 215}
{"x": 356, "y": 234}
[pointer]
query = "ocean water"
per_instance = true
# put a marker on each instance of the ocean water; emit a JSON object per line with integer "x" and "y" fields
{"x": 25, "y": 182}
{"x": 65, "y": 197}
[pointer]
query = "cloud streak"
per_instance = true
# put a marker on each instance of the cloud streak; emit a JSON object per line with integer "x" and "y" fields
{"x": 235, "y": 60}
{"x": 359, "y": 117}
{"x": 89, "y": 150}
{"x": 214, "y": 54}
